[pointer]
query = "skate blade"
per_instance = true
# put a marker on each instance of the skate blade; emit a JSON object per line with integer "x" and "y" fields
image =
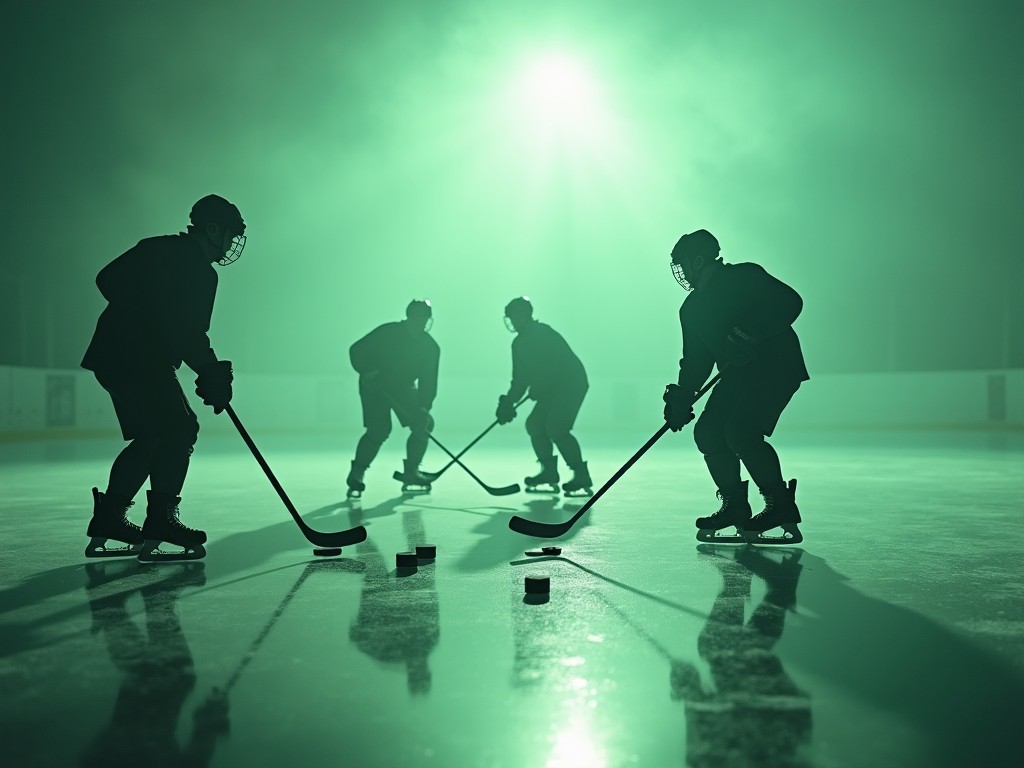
{"x": 151, "y": 554}
{"x": 711, "y": 536}
{"x": 97, "y": 548}
{"x": 790, "y": 535}
{"x": 579, "y": 492}
{"x": 415, "y": 490}
{"x": 543, "y": 489}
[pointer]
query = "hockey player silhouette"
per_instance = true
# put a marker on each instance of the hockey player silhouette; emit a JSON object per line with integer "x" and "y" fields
{"x": 160, "y": 296}
{"x": 544, "y": 365}
{"x": 739, "y": 318}
{"x": 397, "y": 365}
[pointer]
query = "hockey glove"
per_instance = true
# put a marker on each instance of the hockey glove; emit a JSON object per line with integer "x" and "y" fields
{"x": 739, "y": 347}
{"x": 678, "y": 407}
{"x": 506, "y": 410}
{"x": 213, "y": 384}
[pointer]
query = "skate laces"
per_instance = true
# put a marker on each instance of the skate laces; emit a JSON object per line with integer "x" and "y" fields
{"x": 174, "y": 521}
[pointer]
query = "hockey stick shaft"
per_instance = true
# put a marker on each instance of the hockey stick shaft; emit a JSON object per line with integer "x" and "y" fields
{"x": 336, "y": 539}
{"x": 551, "y": 530}
{"x": 434, "y": 475}
{"x": 504, "y": 491}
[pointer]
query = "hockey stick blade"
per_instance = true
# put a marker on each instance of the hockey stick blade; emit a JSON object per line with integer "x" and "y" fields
{"x": 505, "y": 490}
{"x": 319, "y": 538}
{"x": 552, "y": 530}
{"x": 541, "y": 530}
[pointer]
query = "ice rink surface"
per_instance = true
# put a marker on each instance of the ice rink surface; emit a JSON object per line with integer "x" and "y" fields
{"x": 893, "y": 636}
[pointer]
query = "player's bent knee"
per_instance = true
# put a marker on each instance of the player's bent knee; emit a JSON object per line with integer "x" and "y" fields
{"x": 743, "y": 441}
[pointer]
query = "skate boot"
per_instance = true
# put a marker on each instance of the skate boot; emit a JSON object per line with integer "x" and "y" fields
{"x": 162, "y": 525}
{"x": 735, "y": 511}
{"x": 355, "y": 483}
{"x": 780, "y": 511}
{"x": 545, "y": 481}
{"x": 580, "y": 484}
{"x": 413, "y": 481}
{"x": 110, "y": 521}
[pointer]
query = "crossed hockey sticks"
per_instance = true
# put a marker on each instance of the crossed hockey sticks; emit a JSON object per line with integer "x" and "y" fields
{"x": 553, "y": 530}
{"x": 505, "y": 490}
{"x": 434, "y": 475}
{"x": 328, "y": 540}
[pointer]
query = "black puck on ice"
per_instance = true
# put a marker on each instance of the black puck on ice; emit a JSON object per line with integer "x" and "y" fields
{"x": 426, "y": 551}
{"x": 544, "y": 552}
{"x": 327, "y": 551}
{"x": 537, "y": 584}
{"x": 406, "y": 560}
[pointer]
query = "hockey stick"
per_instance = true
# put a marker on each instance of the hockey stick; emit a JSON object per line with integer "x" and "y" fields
{"x": 553, "y": 530}
{"x": 505, "y": 490}
{"x": 320, "y": 539}
{"x": 434, "y": 475}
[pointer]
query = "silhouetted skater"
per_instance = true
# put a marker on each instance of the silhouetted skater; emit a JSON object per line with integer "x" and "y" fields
{"x": 740, "y": 318}
{"x": 397, "y": 366}
{"x": 160, "y": 298}
{"x": 544, "y": 365}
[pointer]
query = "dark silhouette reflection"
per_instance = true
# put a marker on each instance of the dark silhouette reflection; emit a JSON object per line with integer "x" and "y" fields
{"x": 157, "y": 672}
{"x": 399, "y": 616}
{"x": 754, "y": 714}
{"x": 546, "y": 368}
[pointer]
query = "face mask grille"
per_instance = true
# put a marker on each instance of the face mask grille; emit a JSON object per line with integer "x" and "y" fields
{"x": 237, "y": 245}
{"x": 677, "y": 273}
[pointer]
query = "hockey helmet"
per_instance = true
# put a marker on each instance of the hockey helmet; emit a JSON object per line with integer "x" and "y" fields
{"x": 518, "y": 312}
{"x": 214, "y": 209}
{"x": 421, "y": 310}
{"x": 698, "y": 243}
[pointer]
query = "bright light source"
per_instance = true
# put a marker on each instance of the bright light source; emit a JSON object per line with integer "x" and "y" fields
{"x": 557, "y": 91}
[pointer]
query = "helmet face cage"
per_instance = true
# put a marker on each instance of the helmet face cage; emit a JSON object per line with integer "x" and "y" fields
{"x": 237, "y": 246}
{"x": 679, "y": 275}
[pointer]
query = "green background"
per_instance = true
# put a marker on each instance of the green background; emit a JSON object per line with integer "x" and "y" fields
{"x": 870, "y": 154}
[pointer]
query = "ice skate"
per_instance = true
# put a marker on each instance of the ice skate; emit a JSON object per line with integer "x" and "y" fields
{"x": 355, "y": 483}
{"x": 413, "y": 481}
{"x": 580, "y": 484}
{"x": 545, "y": 481}
{"x": 780, "y": 511}
{"x": 734, "y": 512}
{"x": 110, "y": 521}
{"x": 163, "y": 526}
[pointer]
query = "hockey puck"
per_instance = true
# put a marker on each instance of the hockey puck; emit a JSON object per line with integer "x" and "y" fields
{"x": 537, "y": 584}
{"x": 426, "y": 551}
{"x": 544, "y": 552}
{"x": 327, "y": 552}
{"x": 406, "y": 560}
